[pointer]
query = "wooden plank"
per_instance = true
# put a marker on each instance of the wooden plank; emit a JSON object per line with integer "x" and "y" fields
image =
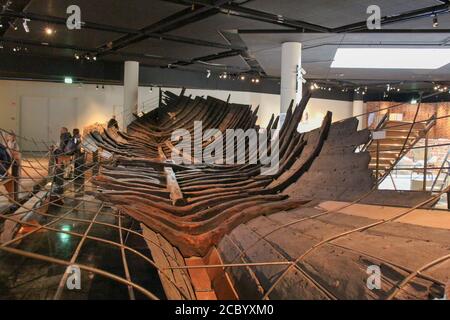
{"x": 180, "y": 279}
{"x": 11, "y": 228}
{"x": 161, "y": 261}
{"x": 161, "y": 153}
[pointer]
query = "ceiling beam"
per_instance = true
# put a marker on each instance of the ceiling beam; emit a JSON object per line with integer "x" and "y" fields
{"x": 243, "y": 12}
{"x": 176, "y": 20}
{"x": 236, "y": 9}
{"x": 168, "y": 61}
{"x": 109, "y": 28}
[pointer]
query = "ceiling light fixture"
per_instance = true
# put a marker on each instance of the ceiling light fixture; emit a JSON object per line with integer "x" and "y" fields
{"x": 435, "y": 21}
{"x": 13, "y": 26}
{"x": 49, "y": 31}
{"x": 391, "y": 58}
{"x": 208, "y": 74}
{"x": 25, "y": 25}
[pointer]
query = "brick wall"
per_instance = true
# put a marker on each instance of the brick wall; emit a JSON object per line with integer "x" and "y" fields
{"x": 436, "y": 153}
{"x": 441, "y": 109}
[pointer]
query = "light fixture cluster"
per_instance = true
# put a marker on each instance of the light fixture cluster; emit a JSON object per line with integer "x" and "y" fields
{"x": 48, "y": 31}
{"x": 315, "y": 86}
{"x": 241, "y": 77}
{"x": 390, "y": 88}
{"x": 440, "y": 88}
{"x": 360, "y": 90}
{"x": 87, "y": 56}
{"x": 17, "y": 49}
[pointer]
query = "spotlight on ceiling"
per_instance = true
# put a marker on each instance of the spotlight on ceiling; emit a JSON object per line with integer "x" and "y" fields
{"x": 435, "y": 21}
{"x": 77, "y": 56}
{"x": 25, "y": 25}
{"x": 94, "y": 58}
{"x": 242, "y": 77}
{"x": 49, "y": 31}
{"x": 13, "y": 26}
{"x": 208, "y": 74}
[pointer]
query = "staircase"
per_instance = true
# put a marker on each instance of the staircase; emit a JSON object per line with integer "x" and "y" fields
{"x": 387, "y": 152}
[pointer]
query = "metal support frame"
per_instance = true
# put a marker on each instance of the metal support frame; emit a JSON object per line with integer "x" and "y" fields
{"x": 425, "y": 163}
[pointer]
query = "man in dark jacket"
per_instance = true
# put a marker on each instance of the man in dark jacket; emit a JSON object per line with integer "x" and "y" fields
{"x": 64, "y": 138}
{"x": 5, "y": 161}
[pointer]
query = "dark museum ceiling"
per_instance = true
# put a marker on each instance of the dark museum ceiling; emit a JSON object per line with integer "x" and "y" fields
{"x": 241, "y": 36}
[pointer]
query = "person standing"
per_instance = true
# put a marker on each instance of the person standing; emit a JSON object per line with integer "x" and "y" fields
{"x": 112, "y": 123}
{"x": 79, "y": 162}
{"x": 64, "y": 138}
{"x": 13, "y": 149}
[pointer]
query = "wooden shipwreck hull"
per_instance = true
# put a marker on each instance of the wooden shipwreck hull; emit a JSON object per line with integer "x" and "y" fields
{"x": 242, "y": 212}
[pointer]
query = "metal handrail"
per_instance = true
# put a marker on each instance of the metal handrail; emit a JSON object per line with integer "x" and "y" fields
{"x": 440, "y": 171}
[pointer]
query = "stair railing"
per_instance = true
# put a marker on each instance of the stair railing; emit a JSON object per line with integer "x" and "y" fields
{"x": 445, "y": 163}
{"x": 380, "y": 125}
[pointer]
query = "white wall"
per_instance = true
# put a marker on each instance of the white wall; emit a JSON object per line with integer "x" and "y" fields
{"x": 91, "y": 105}
{"x": 94, "y": 105}
{"x": 318, "y": 108}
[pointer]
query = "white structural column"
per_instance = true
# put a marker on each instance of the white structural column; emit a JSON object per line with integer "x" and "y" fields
{"x": 359, "y": 108}
{"x": 291, "y": 83}
{"x": 131, "y": 91}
